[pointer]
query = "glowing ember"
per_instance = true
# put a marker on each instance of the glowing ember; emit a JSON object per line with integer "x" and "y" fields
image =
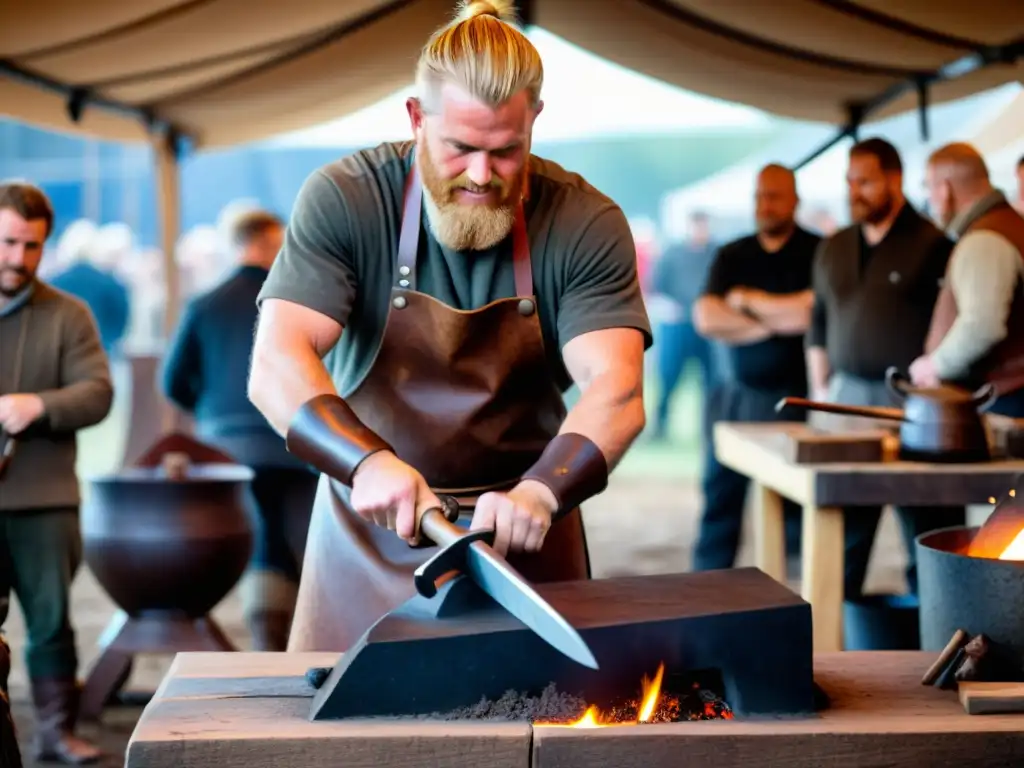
{"x": 652, "y": 707}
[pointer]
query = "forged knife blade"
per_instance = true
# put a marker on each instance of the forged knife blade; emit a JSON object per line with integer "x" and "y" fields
{"x": 470, "y": 553}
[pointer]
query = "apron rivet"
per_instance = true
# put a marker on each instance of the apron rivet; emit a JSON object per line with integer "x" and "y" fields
{"x": 403, "y": 283}
{"x": 525, "y": 307}
{"x": 399, "y": 302}
{"x": 403, "y": 270}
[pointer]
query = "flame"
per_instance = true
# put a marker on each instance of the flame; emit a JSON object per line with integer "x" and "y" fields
{"x": 592, "y": 718}
{"x": 652, "y": 692}
{"x": 1015, "y": 549}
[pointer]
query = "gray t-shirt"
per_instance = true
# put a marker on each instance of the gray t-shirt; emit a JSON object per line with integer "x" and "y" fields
{"x": 341, "y": 248}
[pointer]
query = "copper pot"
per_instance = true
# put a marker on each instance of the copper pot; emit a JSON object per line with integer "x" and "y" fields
{"x": 940, "y": 424}
{"x": 168, "y": 541}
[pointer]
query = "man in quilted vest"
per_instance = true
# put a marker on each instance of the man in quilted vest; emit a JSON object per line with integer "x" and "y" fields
{"x": 977, "y": 330}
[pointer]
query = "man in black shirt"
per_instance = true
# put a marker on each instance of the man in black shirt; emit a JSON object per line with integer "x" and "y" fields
{"x": 757, "y": 302}
{"x": 875, "y": 286}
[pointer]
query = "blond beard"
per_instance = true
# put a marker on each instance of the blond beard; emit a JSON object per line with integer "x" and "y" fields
{"x": 462, "y": 227}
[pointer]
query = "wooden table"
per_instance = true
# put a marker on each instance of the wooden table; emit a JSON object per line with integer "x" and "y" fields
{"x": 755, "y": 450}
{"x": 250, "y": 710}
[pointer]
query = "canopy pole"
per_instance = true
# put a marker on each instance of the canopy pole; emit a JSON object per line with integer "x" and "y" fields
{"x": 168, "y": 172}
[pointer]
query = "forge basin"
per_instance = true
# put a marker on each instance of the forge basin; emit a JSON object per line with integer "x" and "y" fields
{"x": 751, "y": 630}
{"x": 979, "y": 595}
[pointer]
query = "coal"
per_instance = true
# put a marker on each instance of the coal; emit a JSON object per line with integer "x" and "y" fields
{"x": 556, "y": 707}
{"x": 551, "y": 706}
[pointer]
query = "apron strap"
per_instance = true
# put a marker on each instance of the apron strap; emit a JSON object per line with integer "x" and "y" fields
{"x": 409, "y": 240}
{"x": 521, "y": 255}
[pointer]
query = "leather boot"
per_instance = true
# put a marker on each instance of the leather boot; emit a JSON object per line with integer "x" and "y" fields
{"x": 56, "y": 703}
{"x": 10, "y": 755}
{"x": 269, "y": 630}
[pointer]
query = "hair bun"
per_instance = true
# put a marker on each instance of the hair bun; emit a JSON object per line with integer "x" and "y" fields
{"x": 505, "y": 10}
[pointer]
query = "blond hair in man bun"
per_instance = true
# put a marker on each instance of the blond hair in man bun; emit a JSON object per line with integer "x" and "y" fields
{"x": 483, "y": 51}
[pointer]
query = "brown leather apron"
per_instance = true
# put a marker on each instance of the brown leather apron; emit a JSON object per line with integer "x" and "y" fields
{"x": 465, "y": 397}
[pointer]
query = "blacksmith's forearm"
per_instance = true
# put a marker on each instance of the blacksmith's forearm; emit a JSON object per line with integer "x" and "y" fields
{"x": 283, "y": 378}
{"x": 610, "y": 413}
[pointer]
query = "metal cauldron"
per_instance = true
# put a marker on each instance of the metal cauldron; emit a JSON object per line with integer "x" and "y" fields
{"x": 173, "y": 537}
{"x": 980, "y": 595}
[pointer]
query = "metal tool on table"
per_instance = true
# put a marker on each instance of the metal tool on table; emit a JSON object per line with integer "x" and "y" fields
{"x": 470, "y": 553}
{"x": 940, "y": 424}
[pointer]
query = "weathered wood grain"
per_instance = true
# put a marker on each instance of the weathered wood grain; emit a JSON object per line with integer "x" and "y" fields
{"x": 274, "y": 732}
{"x": 206, "y": 716}
{"x": 880, "y": 715}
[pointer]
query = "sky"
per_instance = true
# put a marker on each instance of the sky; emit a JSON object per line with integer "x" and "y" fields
{"x": 574, "y": 107}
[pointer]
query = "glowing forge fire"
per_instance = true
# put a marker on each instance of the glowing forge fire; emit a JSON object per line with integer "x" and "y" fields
{"x": 652, "y": 706}
{"x": 1013, "y": 550}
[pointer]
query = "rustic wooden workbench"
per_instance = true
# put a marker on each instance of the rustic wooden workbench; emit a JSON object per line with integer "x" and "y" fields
{"x": 250, "y": 710}
{"x": 755, "y": 450}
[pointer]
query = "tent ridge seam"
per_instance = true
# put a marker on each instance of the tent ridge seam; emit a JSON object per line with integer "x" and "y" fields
{"x": 333, "y": 34}
{"x": 735, "y": 35}
{"x": 112, "y": 32}
{"x": 901, "y": 26}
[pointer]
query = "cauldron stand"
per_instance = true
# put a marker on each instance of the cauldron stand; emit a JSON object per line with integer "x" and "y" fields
{"x": 151, "y": 632}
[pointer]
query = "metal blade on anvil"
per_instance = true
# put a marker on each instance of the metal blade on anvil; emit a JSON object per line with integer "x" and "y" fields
{"x": 510, "y": 590}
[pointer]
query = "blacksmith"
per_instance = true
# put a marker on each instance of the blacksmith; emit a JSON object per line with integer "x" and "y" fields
{"x": 977, "y": 331}
{"x": 54, "y": 381}
{"x": 757, "y": 302}
{"x": 875, "y": 285}
{"x": 204, "y": 375}
{"x": 467, "y": 284}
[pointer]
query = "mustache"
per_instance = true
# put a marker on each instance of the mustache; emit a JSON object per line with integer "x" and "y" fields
{"x": 469, "y": 186}
{"x": 15, "y": 271}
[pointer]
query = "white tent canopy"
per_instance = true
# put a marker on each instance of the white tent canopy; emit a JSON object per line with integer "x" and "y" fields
{"x": 224, "y": 72}
{"x": 574, "y": 107}
{"x": 231, "y": 71}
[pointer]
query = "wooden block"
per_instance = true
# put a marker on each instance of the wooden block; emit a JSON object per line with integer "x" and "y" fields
{"x": 992, "y": 698}
{"x": 209, "y": 717}
{"x": 880, "y": 716}
{"x": 822, "y": 447}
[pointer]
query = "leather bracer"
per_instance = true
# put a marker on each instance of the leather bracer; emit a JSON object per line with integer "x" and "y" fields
{"x": 328, "y": 435}
{"x": 573, "y": 467}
